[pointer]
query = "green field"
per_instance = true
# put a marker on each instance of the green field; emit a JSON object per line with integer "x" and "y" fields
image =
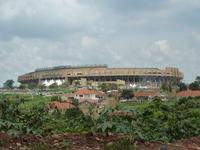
{"x": 28, "y": 100}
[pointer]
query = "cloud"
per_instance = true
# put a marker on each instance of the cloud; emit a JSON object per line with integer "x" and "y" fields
{"x": 163, "y": 46}
{"x": 46, "y": 19}
{"x": 88, "y": 42}
{"x": 126, "y": 33}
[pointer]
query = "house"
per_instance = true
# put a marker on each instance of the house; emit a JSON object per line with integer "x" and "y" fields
{"x": 62, "y": 106}
{"x": 142, "y": 96}
{"x": 114, "y": 93}
{"x": 189, "y": 93}
{"x": 87, "y": 94}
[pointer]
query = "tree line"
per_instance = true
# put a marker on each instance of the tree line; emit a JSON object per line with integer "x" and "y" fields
{"x": 195, "y": 85}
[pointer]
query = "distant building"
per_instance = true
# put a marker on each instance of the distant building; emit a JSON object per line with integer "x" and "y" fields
{"x": 189, "y": 93}
{"x": 141, "y": 77}
{"x": 142, "y": 96}
{"x": 62, "y": 106}
{"x": 87, "y": 94}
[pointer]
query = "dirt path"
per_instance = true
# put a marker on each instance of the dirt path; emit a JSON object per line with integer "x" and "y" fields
{"x": 85, "y": 142}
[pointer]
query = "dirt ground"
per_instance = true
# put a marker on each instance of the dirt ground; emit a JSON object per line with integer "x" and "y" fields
{"x": 86, "y": 142}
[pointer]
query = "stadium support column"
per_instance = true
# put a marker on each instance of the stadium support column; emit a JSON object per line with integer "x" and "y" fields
{"x": 66, "y": 79}
{"x": 39, "y": 81}
{"x": 128, "y": 80}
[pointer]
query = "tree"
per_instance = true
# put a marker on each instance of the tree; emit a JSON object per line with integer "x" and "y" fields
{"x": 23, "y": 86}
{"x": 198, "y": 79}
{"x": 8, "y": 84}
{"x": 182, "y": 86}
{"x": 65, "y": 84}
{"x": 127, "y": 94}
{"x": 166, "y": 87}
{"x": 32, "y": 85}
{"x": 56, "y": 98}
{"x": 75, "y": 102}
{"x": 41, "y": 86}
{"x": 53, "y": 86}
{"x": 194, "y": 86}
{"x": 108, "y": 86}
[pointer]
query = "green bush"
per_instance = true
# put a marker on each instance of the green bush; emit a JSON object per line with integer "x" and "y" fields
{"x": 56, "y": 98}
{"x": 73, "y": 113}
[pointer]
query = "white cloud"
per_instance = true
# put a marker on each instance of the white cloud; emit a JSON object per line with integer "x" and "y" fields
{"x": 29, "y": 18}
{"x": 88, "y": 42}
{"x": 163, "y": 46}
{"x": 8, "y": 11}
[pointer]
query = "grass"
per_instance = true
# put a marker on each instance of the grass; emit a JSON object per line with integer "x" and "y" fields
{"x": 133, "y": 105}
{"x": 67, "y": 90}
{"x": 29, "y": 100}
{"x": 35, "y": 100}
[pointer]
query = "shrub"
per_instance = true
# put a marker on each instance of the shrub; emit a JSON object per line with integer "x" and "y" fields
{"x": 73, "y": 113}
{"x": 56, "y": 98}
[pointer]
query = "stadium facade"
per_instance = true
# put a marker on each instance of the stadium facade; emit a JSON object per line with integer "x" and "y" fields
{"x": 102, "y": 73}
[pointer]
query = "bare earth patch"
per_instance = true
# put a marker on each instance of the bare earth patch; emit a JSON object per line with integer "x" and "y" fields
{"x": 86, "y": 142}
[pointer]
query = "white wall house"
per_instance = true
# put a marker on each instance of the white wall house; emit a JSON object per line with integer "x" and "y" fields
{"x": 86, "y": 94}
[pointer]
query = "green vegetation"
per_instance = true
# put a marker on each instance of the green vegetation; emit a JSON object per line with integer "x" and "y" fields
{"x": 127, "y": 94}
{"x": 182, "y": 86}
{"x": 166, "y": 87}
{"x": 8, "y": 84}
{"x": 133, "y": 105}
{"x": 194, "y": 85}
{"x": 151, "y": 121}
{"x": 108, "y": 86}
{"x": 67, "y": 90}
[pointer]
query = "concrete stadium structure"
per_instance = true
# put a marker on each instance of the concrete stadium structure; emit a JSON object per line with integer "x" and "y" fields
{"x": 101, "y": 73}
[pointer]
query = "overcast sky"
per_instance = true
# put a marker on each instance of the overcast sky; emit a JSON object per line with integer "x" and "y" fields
{"x": 120, "y": 33}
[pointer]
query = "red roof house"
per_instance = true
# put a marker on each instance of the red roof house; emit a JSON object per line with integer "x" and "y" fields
{"x": 88, "y": 94}
{"x": 61, "y": 105}
{"x": 146, "y": 95}
{"x": 188, "y": 93}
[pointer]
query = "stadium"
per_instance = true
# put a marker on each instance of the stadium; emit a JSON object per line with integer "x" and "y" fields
{"x": 102, "y": 74}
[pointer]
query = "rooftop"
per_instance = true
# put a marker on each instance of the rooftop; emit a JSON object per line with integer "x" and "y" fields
{"x": 61, "y": 105}
{"x": 71, "y": 67}
{"x": 189, "y": 93}
{"x": 146, "y": 94}
{"x": 85, "y": 92}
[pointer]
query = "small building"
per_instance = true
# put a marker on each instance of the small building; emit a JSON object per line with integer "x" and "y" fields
{"x": 189, "y": 93}
{"x": 114, "y": 93}
{"x": 87, "y": 94}
{"x": 62, "y": 106}
{"x": 142, "y": 96}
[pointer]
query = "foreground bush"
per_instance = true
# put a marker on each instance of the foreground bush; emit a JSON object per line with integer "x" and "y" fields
{"x": 158, "y": 121}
